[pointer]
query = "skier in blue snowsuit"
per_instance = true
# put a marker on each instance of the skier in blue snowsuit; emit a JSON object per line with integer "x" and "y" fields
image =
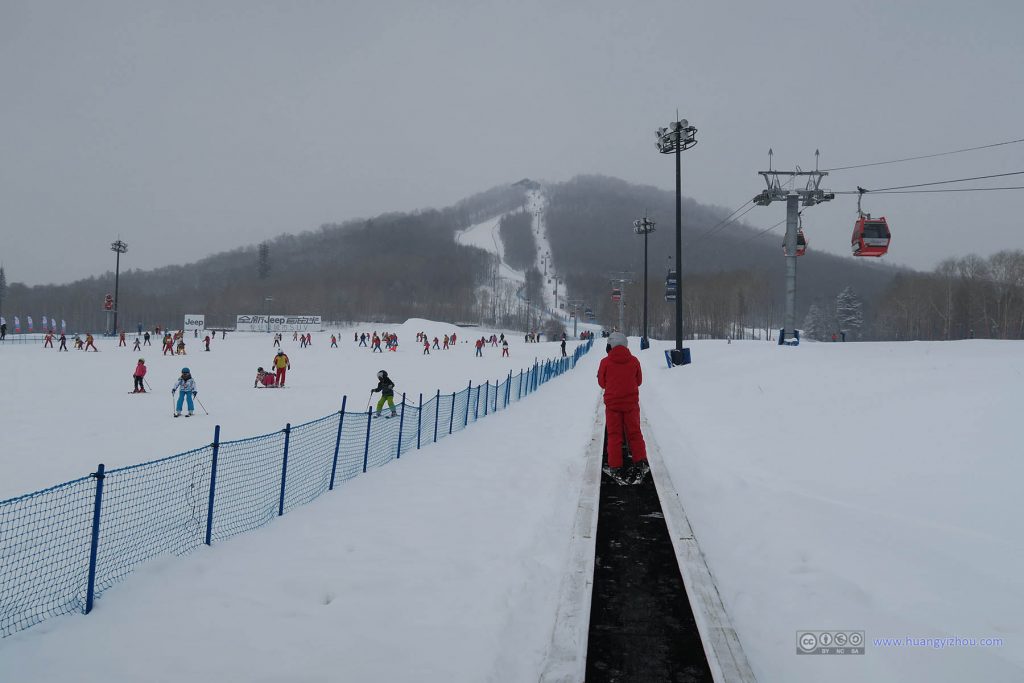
{"x": 188, "y": 390}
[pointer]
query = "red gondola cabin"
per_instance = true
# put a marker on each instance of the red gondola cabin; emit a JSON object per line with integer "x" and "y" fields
{"x": 616, "y": 294}
{"x": 871, "y": 237}
{"x": 801, "y": 244}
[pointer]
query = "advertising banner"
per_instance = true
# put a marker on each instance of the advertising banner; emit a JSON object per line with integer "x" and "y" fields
{"x": 194, "y": 322}
{"x": 279, "y": 323}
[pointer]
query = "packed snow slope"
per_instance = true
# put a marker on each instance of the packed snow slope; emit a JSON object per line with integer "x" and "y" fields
{"x": 868, "y": 487}
{"x": 73, "y": 410}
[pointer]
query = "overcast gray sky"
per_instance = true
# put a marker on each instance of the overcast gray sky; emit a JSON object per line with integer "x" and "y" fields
{"x": 187, "y": 127}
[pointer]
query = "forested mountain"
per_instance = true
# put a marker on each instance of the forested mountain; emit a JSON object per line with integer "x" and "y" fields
{"x": 397, "y": 266}
{"x": 734, "y": 278}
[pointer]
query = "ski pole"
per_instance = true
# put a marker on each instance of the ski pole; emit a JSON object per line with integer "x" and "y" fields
{"x": 201, "y": 405}
{"x": 147, "y": 383}
{"x": 369, "y": 400}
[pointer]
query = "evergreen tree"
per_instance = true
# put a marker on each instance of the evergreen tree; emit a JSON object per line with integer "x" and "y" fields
{"x": 3, "y": 288}
{"x": 814, "y": 326}
{"x": 263, "y": 261}
{"x": 849, "y": 312}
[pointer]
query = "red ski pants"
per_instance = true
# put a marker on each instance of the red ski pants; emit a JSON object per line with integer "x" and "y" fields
{"x": 628, "y": 421}
{"x": 280, "y": 376}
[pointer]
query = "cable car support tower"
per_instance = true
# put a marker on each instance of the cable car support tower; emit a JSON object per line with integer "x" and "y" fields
{"x": 810, "y": 195}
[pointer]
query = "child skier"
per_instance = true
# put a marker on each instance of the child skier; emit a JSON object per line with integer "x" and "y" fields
{"x": 207, "y": 341}
{"x": 281, "y": 367}
{"x": 138, "y": 375}
{"x": 387, "y": 393}
{"x": 138, "y": 345}
{"x": 264, "y": 379}
{"x": 334, "y": 342}
{"x": 504, "y": 348}
{"x": 426, "y": 347}
{"x": 620, "y": 376}
{"x": 188, "y": 391}
{"x": 89, "y": 342}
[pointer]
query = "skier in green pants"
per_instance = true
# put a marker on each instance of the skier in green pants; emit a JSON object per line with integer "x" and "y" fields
{"x": 387, "y": 393}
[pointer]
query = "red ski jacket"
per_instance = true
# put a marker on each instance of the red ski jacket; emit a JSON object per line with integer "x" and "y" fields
{"x": 620, "y": 376}
{"x": 140, "y": 370}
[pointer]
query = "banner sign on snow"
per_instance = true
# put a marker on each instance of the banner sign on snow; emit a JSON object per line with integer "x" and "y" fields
{"x": 195, "y": 322}
{"x": 279, "y": 323}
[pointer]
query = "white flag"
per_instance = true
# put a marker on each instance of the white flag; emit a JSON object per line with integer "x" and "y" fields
{"x": 29, "y": 323}
{"x": 17, "y": 324}
{"x": 63, "y": 326}
{"x": 44, "y": 322}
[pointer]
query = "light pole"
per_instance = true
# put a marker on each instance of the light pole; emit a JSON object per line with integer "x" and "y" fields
{"x": 644, "y": 226}
{"x": 119, "y": 247}
{"x": 676, "y": 138}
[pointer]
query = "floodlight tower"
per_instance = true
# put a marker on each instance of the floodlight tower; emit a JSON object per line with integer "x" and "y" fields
{"x": 675, "y": 139}
{"x": 644, "y": 226}
{"x": 810, "y": 195}
{"x": 119, "y": 247}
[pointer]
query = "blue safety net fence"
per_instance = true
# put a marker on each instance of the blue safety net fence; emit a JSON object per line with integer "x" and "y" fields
{"x": 62, "y": 547}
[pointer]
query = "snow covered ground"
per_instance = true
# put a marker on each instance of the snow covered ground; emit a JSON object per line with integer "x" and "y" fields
{"x": 868, "y": 487}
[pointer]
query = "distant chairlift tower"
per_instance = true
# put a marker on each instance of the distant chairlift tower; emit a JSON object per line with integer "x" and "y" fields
{"x": 810, "y": 195}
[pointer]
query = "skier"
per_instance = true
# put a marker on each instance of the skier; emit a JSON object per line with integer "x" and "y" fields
{"x": 445, "y": 347}
{"x": 302, "y": 342}
{"x": 281, "y": 365}
{"x": 145, "y": 339}
{"x": 295, "y": 335}
{"x": 181, "y": 347}
{"x": 620, "y": 376}
{"x": 138, "y": 345}
{"x": 277, "y": 339}
{"x": 436, "y": 345}
{"x": 504, "y": 348}
{"x": 207, "y": 341}
{"x": 362, "y": 339}
{"x": 264, "y": 379}
{"x": 188, "y": 391}
{"x": 426, "y": 347}
{"x": 48, "y": 340}
{"x": 89, "y": 342}
{"x": 63, "y": 342}
{"x": 3, "y": 331}
{"x": 140, "y": 372}
{"x": 168, "y": 347}
{"x": 387, "y": 393}
{"x": 563, "y": 346}
{"x": 334, "y": 342}
{"x": 480, "y": 347}
{"x": 309, "y": 339}
{"x": 453, "y": 339}
{"x": 376, "y": 344}
{"x": 120, "y": 340}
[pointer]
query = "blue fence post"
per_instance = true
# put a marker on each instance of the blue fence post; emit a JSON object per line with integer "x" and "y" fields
{"x": 476, "y": 406}
{"x": 519, "y": 389}
{"x": 437, "y": 412}
{"x": 366, "y": 446}
{"x": 496, "y": 384}
{"x": 95, "y": 542}
{"x": 419, "y": 422}
{"x": 401, "y": 422}
{"x": 284, "y": 467}
{"x": 337, "y": 442}
{"x": 508, "y": 389}
{"x": 451, "y": 418}
{"x": 469, "y": 392}
{"x": 213, "y": 483}
{"x": 487, "y": 393}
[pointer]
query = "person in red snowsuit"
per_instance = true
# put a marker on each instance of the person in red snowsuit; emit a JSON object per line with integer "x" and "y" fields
{"x": 620, "y": 376}
{"x": 138, "y": 375}
{"x": 168, "y": 345}
{"x": 207, "y": 342}
{"x": 120, "y": 340}
{"x": 48, "y": 340}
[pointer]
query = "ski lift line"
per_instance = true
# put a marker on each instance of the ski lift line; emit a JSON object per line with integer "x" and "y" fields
{"x": 938, "y": 182}
{"x": 948, "y": 189}
{"x": 925, "y": 156}
{"x": 721, "y": 226}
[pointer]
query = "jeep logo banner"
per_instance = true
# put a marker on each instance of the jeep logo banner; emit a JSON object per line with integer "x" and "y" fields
{"x": 195, "y": 322}
{"x": 279, "y": 323}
